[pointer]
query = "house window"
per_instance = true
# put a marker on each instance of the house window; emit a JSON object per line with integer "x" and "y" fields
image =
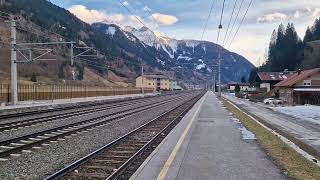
{"x": 307, "y": 83}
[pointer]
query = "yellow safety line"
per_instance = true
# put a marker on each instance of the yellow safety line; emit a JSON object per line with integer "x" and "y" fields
{"x": 173, "y": 154}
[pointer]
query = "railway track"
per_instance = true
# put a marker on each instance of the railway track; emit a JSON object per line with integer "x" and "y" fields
{"x": 14, "y": 125}
{"x": 120, "y": 158}
{"x": 13, "y": 147}
{"x": 72, "y": 107}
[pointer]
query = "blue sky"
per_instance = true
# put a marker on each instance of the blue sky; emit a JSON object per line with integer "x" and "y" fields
{"x": 185, "y": 19}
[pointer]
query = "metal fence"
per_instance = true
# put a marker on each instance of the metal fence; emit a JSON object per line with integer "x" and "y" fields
{"x": 51, "y": 92}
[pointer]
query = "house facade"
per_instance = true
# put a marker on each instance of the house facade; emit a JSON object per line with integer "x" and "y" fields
{"x": 266, "y": 80}
{"x": 243, "y": 86}
{"x": 157, "y": 82}
{"x": 301, "y": 88}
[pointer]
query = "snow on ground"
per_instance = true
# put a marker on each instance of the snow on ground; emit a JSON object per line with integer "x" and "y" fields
{"x": 308, "y": 113}
{"x": 246, "y": 134}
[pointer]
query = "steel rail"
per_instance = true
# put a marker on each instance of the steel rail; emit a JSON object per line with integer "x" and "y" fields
{"x": 37, "y": 120}
{"x": 82, "y": 161}
{"x": 63, "y": 130}
{"x": 81, "y": 105}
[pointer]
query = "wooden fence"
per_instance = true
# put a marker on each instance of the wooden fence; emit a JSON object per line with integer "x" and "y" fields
{"x": 51, "y": 92}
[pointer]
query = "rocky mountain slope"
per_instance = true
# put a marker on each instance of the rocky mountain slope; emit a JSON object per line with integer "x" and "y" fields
{"x": 187, "y": 57}
{"x": 124, "y": 49}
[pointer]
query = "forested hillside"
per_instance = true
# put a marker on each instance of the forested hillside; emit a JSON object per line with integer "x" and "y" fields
{"x": 120, "y": 50}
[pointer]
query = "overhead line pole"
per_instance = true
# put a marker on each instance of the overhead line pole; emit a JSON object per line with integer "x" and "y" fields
{"x": 14, "y": 79}
{"x": 219, "y": 51}
{"x": 142, "y": 73}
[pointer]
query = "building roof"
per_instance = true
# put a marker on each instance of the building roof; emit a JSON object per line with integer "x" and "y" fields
{"x": 297, "y": 77}
{"x": 237, "y": 83}
{"x": 156, "y": 76}
{"x": 274, "y": 76}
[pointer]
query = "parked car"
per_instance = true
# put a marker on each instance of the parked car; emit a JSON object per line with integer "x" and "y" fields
{"x": 272, "y": 101}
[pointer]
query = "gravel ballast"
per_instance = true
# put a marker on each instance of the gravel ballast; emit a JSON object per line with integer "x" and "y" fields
{"x": 48, "y": 159}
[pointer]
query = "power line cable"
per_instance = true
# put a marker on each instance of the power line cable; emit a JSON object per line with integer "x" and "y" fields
{"x": 207, "y": 20}
{"x": 234, "y": 7}
{"x": 136, "y": 17}
{"x": 244, "y": 16}
{"x": 235, "y": 20}
{"x": 220, "y": 24}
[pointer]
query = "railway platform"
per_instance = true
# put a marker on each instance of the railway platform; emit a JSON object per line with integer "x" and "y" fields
{"x": 207, "y": 144}
{"x": 29, "y": 105}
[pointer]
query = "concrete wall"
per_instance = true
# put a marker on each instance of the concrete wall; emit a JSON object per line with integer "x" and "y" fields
{"x": 287, "y": 95}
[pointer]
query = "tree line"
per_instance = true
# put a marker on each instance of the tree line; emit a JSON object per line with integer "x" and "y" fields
{"x": 288, "y": 51}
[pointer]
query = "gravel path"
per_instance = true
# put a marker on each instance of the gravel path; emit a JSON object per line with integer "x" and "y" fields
{"x": 49, "y": 159}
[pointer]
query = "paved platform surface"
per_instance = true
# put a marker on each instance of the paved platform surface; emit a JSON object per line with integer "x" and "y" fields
{"x": 303, "y": 130}
{"x": 56, "y": 102}
{"x": 207, "y": 144}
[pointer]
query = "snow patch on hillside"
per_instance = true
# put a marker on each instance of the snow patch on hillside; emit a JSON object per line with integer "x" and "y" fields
{"x": 184, "y": 57}
{"x": 111, "y": 30}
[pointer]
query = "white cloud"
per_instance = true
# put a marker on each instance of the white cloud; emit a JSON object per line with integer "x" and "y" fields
{"x": 297, "y": 14}
{"x": 273, "y": 17}
{"x": 316, "y": 12}
{"x": 163, "y": 19}
{"x": 89, "y": 16}
{"x": 92, "y": 16}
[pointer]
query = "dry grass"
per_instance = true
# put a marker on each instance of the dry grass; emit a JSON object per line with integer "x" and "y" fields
{"x": 284, "y": 156}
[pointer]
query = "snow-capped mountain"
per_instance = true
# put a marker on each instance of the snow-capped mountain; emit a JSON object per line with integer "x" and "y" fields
{"x": 190, "y": 59}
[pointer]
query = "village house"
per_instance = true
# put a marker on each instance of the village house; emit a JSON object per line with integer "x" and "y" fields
{"x": 157, "y": 82}
{"x": 301, "y": 88}
{"x": 266, "y": 80}
{"x": 243, "y": 86}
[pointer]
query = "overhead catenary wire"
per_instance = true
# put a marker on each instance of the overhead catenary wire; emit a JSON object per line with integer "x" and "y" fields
{"x": 139, "y": 20}
{"x": 220, "y": 23}
{"x": 207, "y": 20}
{"x": 234, "y": 22}
{"x": 135, "y": 16}
{"x": 152, "y": 16}
{"x": 234, "y": 7}
{"x": 244, "y": 16}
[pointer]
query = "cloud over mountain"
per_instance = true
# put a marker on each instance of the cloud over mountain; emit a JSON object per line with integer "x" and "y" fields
{"x": 163, "y": 19}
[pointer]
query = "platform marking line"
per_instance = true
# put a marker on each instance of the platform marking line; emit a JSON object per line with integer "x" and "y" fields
{"x": 173, "y": 154}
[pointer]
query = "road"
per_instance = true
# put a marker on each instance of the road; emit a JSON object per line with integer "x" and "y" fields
{"x": 302, "y": 130}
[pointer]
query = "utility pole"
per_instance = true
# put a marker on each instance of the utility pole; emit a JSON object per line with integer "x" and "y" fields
{"x": 14, "y": 79}
{"x": 214, "y": 81}
{"x": 219, "y": 67}
{"x": 71, "y": 54}
{"x": 219, "y": 75}
{"x": 142, "y": 87}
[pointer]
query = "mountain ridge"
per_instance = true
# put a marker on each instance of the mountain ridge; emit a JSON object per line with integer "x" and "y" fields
{"x": 198, "y": 54}
{"x": 124, "y": 51}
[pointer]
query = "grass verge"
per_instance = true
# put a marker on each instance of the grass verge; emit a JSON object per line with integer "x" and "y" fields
{"x": 283, "y": 155}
